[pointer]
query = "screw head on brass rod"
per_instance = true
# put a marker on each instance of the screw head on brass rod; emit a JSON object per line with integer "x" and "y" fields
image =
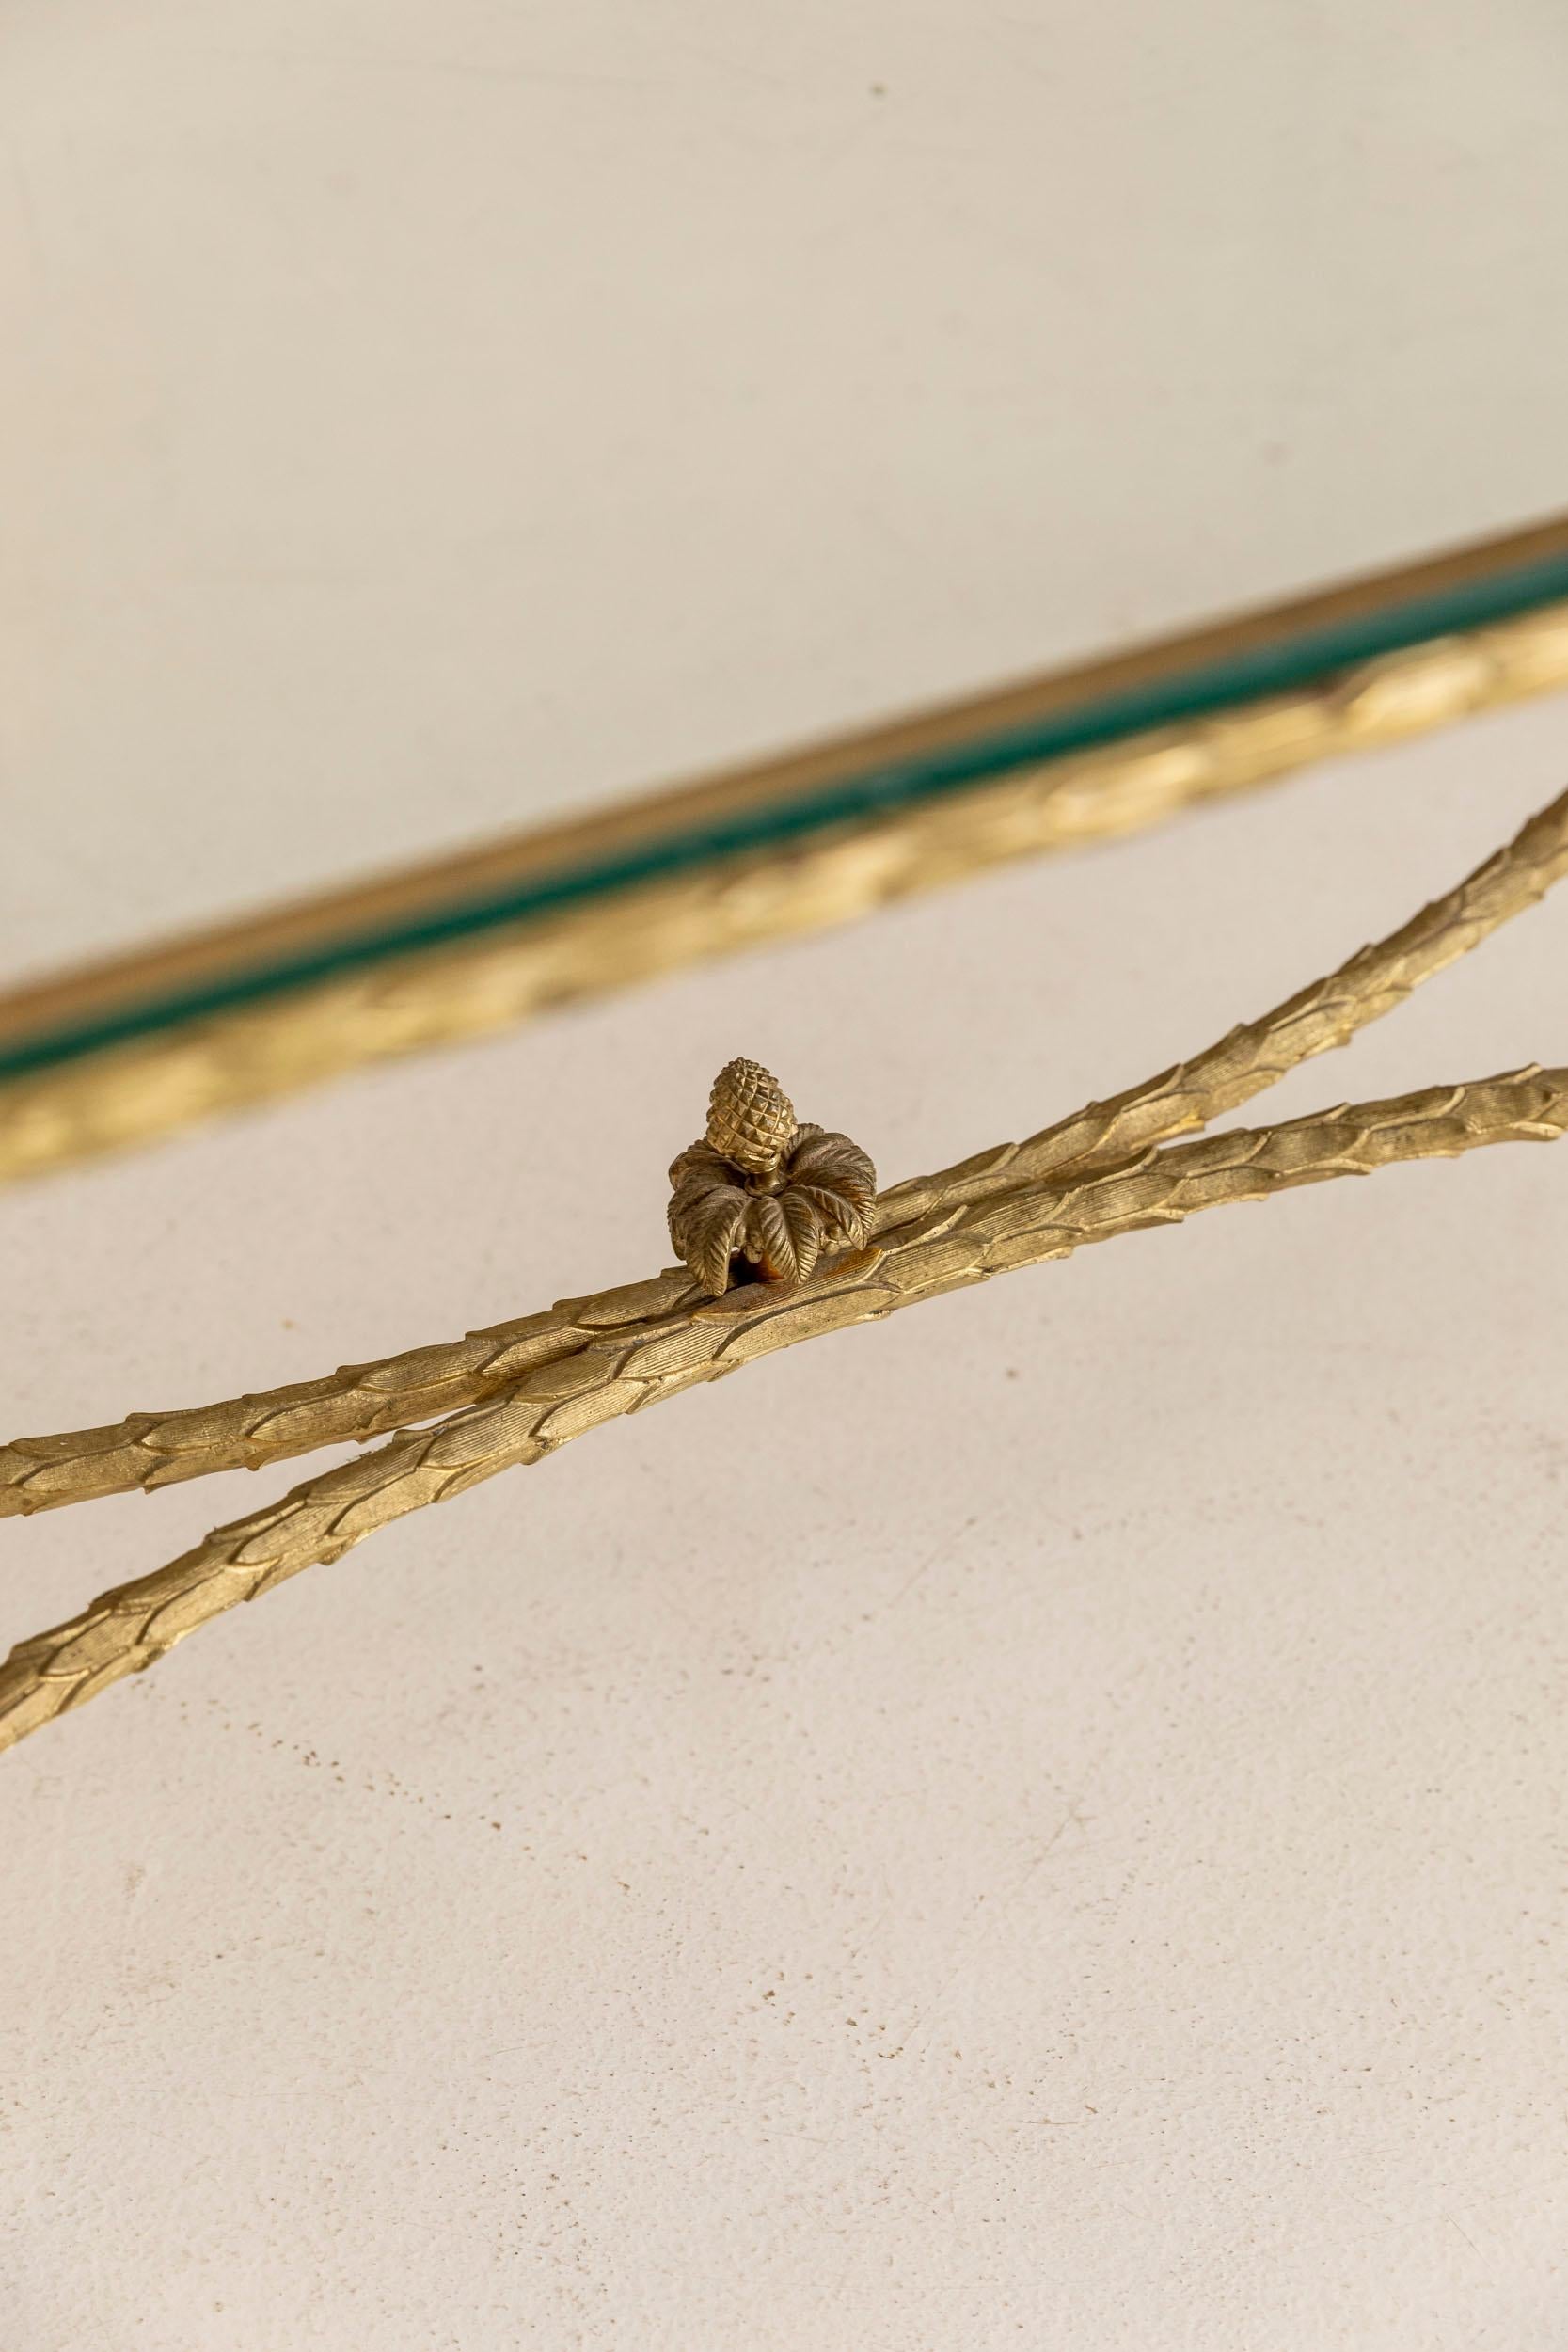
{"x": 762, "y": 1195}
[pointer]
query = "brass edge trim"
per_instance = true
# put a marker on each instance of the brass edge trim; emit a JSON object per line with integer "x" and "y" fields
{"x": 314, "y": 924}
{"x": 152, "y": 1085}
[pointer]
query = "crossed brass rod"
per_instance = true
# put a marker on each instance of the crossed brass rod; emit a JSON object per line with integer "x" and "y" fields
{"x": 364, "y": 1401}
{"x": 524, "y": 1388}
{"x": 663, "y": 1353}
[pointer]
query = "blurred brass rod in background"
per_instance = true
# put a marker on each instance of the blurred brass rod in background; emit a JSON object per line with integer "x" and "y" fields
{"x": 132, "y": 1049}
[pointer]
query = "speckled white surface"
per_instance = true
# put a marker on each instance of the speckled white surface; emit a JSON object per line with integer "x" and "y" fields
{"x": 1042, "y": 1822}
{"x": 1042, "y": 1825}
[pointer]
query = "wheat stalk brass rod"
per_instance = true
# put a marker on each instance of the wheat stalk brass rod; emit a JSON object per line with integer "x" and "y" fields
{"x": 363, "y": 1401}
{"x": 643, "y": 1363}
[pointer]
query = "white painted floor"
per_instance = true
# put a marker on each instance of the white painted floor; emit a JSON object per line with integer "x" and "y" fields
{"x": 1042, "y": 1825}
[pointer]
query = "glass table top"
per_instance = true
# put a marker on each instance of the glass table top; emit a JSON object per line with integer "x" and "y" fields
{"x": 420, "y": 431}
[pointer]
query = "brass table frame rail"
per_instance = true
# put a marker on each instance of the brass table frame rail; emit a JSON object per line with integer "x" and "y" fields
{"x": 136, "y": 1046}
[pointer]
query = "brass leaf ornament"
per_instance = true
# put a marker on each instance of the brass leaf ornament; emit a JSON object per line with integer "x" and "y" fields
{"x": 762, "y": 1192}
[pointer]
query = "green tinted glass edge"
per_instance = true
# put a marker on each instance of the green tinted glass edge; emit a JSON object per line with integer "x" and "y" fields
{"x": 1242, "y": 677}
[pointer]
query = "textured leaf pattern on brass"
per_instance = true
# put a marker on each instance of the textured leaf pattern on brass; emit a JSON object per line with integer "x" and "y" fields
{"x": 367, "y": 1400}
{"x": 658, "y": 1355}
{"x": 525, "y": 1388}
{"x": 760, "y": 1190}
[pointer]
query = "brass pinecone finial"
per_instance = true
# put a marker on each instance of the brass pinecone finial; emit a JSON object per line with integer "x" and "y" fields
{"x": 751, "y": 1120}
{"x": 762, "y": 1190}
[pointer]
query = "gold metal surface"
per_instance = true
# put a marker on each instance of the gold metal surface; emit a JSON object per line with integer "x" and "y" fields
{"x": 135, "y": 1091}
{"x": 364, "y": 1401}
{"x": 759, "y": 1189}
{"x": 663, "y": 1353}
{"x": 305, "y": 927}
